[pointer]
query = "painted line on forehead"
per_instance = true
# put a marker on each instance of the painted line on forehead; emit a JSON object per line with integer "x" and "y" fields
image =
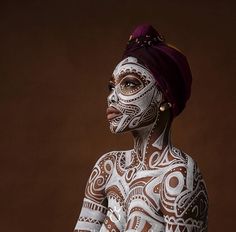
{"x": 138, "y": 64}
{"x": 116, "y": 75}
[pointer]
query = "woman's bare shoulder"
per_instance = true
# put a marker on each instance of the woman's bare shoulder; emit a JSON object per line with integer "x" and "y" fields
{"x": 113, "y": 155}
{"x": 183, "y": 185}
{"x": 182, "y": 158}
{"x": 183, "y": 166}
{"x": 100, "y": 175}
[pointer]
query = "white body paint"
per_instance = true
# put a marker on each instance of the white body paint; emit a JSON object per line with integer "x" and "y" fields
{"x": 154, "y": 187}
{"x": 139, "y": 107}
{"x": 135, "y": 196}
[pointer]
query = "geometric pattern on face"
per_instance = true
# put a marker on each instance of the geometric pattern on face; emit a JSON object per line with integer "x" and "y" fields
{"x": 134, "y": 93}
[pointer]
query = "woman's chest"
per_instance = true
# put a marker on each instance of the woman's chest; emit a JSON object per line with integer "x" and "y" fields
{"x": 135, "y": 184}
{"x": 134, "y": 192}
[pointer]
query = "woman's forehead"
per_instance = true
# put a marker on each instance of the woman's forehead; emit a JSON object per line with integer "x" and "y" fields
{"x": 130, "y": 65}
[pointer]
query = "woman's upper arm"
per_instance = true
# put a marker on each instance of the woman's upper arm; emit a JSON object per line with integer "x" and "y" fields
{"x": 96, "y": 184}
{"x": 183, "y": 199}
{"x": 94, "y": 206}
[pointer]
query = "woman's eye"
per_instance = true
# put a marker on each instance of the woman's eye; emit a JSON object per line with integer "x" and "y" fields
{"x": 130, "y": 84}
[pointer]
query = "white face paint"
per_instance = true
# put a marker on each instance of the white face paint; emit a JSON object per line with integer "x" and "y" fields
{"x": 138, "y": 100}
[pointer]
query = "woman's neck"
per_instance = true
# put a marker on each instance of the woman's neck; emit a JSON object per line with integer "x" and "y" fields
{"x": 153, "y": 137}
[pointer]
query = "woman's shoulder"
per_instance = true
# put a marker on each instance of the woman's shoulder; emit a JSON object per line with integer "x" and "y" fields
{"x": 181, "y": 158}
{"x": 113, "y": 156}
{"x": 183, "y": 191}
{"x": 183, "y": 167}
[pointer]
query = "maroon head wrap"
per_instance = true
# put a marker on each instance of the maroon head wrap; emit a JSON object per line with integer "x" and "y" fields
{"x": 167, "y": 64}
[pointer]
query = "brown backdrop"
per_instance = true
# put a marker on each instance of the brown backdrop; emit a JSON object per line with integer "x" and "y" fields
{"x": 56, "y": 58}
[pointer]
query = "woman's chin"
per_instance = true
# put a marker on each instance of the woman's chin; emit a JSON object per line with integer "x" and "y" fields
{"x": 114, "y": 130}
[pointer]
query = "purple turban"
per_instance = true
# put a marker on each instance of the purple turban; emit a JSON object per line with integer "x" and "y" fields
{"x": 167, "y": 64}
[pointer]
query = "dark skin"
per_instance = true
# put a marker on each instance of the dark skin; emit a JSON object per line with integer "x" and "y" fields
{"x": 130, "y": 83}
{"x": 152, "y": 132}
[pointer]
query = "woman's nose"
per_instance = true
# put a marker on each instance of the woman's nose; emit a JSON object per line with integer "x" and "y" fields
{"x": 112, "y": 98}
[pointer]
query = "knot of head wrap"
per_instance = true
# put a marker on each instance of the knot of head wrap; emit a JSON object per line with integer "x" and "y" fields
{"x": 167, "y": 64}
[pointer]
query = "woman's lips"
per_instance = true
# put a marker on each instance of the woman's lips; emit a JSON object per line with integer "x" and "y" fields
{"x": 112, "y": 113}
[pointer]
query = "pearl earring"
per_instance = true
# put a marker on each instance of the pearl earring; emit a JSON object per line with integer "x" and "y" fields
{"x": 165, "y": 106}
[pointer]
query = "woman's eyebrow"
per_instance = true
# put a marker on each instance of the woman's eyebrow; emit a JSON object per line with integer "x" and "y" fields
{"x": 130, "y": 74}
{"x": 134, "y": 74}
{"x": 117, "y": 79}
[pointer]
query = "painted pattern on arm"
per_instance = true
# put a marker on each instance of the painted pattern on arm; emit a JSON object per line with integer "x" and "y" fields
{"x": 94, "y": 207}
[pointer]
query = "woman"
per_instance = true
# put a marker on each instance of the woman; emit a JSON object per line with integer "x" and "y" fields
{"x": 154, "y": 186}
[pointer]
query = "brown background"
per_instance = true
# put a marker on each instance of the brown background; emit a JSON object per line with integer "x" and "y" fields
{"x": 56, "y": 58}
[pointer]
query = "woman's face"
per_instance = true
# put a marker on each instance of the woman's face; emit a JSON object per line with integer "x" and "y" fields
{"x": 134, "y": 99}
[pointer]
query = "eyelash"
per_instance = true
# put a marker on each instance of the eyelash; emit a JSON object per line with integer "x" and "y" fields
{"x": 127, "y": 84}
{"x": 110, "y": 87}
